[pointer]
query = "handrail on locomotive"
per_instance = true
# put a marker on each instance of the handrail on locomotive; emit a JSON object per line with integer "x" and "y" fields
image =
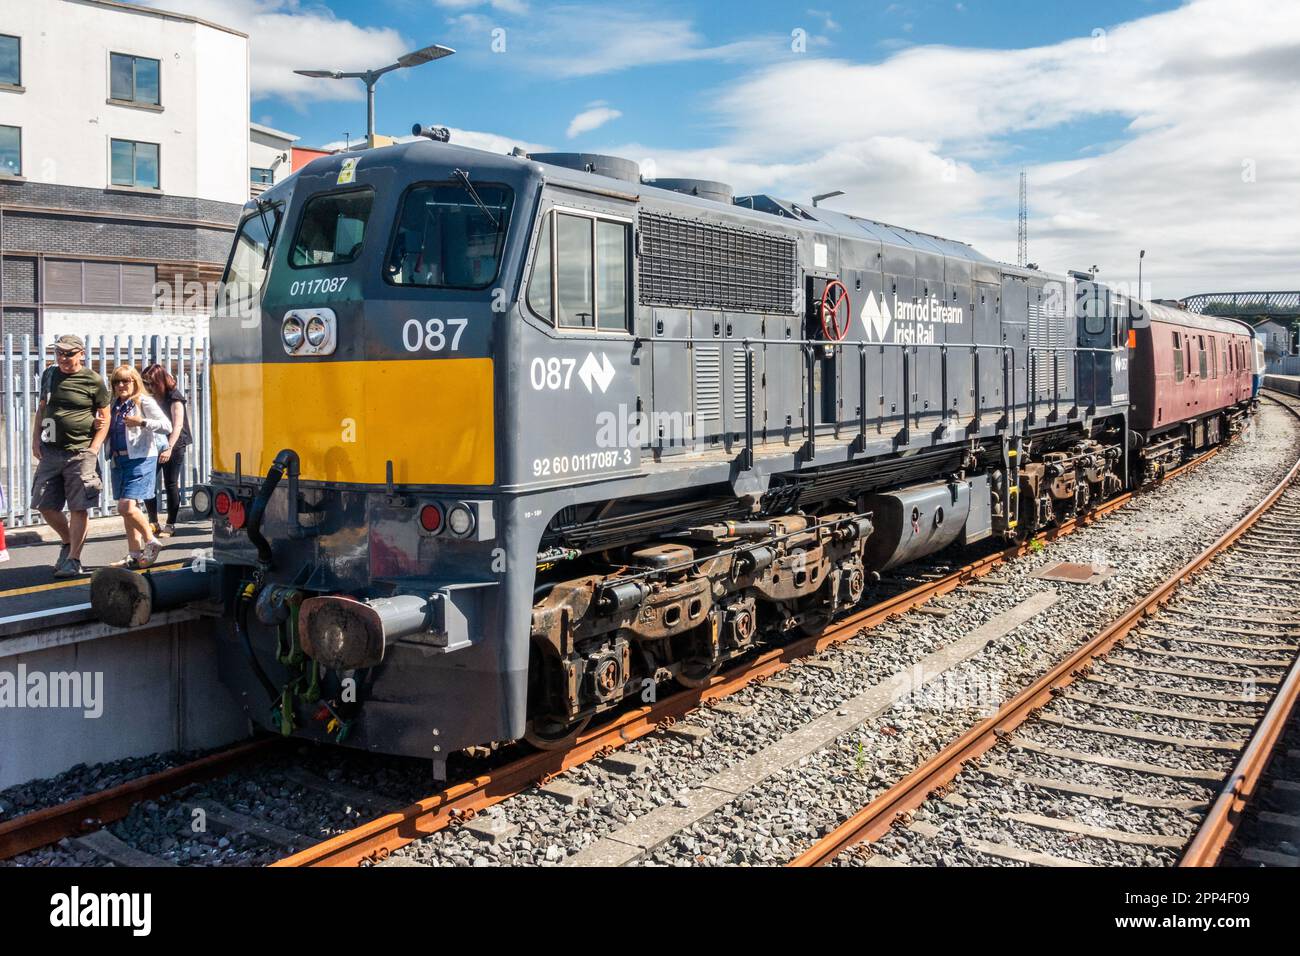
{"x": 812, "y": 347}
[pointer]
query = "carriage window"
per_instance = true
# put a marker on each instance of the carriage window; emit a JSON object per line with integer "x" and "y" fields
{"x": 1203, "y": 357}
{"x": 580, "y": 275}
{"x": 1214, "y": 357}
{"x": 333, "y": 229}
{"x": 1179, "y": 373}
{"x": 447, "y": 239}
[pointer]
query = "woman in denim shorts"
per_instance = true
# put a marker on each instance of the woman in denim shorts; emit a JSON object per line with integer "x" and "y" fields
{"x": 135, "y": 424}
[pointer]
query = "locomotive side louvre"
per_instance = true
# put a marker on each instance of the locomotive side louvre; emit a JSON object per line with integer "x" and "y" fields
{"x": 621, "y": 528}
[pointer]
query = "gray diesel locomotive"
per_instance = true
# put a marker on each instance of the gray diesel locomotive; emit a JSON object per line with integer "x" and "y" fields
{"x": 501, "y": 441}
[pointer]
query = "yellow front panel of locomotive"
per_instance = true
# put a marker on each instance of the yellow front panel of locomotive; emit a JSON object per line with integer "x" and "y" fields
{"x": 433, "y": 419}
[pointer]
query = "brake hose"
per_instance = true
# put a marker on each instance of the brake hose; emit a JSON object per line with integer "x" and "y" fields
{"x": 282, "y": 463}
{"x": 241, "y": 629}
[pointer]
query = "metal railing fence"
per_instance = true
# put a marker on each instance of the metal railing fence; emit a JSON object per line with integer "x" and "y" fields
{"x": 24, "y": 361}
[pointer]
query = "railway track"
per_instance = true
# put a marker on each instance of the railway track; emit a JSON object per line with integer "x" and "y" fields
{"x": 1194, "y": 686}
{"x": 387, "y": 831}
{"x": 1268, "y": 825}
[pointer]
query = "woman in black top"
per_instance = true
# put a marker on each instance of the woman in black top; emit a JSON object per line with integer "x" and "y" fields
{"x": 171, "y": 460}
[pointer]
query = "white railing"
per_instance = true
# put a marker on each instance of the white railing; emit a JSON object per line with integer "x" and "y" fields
{"x": 1284, "y": 365}
{"x": 185, "y": 357}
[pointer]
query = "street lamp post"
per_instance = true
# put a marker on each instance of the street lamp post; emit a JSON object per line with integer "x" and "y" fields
{"x": 1142, "y": 254}
{"x": 371, "y": 77}
{"x": 831, "y": 195}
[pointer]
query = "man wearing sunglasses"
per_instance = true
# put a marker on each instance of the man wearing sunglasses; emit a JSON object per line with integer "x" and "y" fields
{"x": 71, "y": 424}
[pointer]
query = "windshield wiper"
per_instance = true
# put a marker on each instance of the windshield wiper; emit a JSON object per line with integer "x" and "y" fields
{"x": 473, "y": 194}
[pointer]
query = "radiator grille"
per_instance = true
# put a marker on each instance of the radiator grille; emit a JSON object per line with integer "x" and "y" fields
{"x": 699, "y": 265}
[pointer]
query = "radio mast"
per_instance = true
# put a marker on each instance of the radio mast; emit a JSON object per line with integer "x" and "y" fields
{"x": 1022, "y": 238}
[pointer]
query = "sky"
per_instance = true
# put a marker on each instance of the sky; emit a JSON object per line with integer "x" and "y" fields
{"x": 1141, "y": 124}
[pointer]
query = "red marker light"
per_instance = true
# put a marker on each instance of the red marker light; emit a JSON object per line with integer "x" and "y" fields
{"x": 431, "y": 518}
{"x": 223, "y": 502}
{"x": 236, "y": 515}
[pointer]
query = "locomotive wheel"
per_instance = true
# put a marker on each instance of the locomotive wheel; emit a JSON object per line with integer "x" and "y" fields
{"x": 697, "y": 672}
{"x": 552, "y": 734}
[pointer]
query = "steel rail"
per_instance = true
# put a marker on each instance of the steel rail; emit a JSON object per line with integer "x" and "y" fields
{"x": 378, "y": 838}
{"x": 1242, "y": 784}
{"x": 877, "y": 817}
{"x": 94, "y": 810}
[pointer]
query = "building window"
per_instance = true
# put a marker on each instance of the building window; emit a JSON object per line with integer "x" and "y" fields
{"x": 11, "y": 151}
{"x": 133, "y": 79}
{"x": 261, "y": 177}
{"x": 11, "y": 61}
{"x": 134, "y": 164}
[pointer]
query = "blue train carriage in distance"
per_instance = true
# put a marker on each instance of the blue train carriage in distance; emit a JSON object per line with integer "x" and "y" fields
{"x": 502, "y": 441}
{"x": 1259, "y": 362}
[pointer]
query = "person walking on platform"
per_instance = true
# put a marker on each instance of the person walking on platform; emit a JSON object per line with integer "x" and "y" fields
{"x": 171, "y": 460}
{"x": 137, "y": 430}
{"x": 71, "y": 425}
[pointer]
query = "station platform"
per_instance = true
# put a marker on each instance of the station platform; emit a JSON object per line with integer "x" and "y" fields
{"x": 32, "y": 598}
{"x": 1283, "y": 383}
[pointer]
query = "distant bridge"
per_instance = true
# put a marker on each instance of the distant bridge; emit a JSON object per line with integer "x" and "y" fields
{"x": 1245, "y": 305}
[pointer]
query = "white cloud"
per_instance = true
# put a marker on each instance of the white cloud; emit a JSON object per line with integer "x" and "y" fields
{"x": 576, "y": 40}
{"x": 474, "y": 139}
{"x": 285, "y": 35}
{"x": 505, "y": 6}
{"x": 828, "y": 22}
{"x": 1203, "y": 88}
{"x": 595, "y": 116}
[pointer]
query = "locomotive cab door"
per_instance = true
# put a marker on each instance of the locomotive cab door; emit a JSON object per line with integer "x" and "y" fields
{"x": 1099, "y": 327}
{"x": 826, "y": 319}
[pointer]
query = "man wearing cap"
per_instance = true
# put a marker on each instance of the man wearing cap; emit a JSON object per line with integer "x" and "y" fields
{"x": 71, "y": 424}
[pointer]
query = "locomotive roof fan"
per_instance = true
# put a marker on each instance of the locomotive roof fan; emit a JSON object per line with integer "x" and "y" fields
{"x": 703, "y": 188}
{"x": 615, "y": 167}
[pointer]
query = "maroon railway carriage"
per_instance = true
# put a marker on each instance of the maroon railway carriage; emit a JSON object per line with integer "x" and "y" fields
{"x": 1191, "y": 384}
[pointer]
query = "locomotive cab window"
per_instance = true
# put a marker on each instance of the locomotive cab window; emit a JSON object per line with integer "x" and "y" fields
{"x": 581, "y": 272}
{"x": 249, "y": 259}
{"x": 333, "y": 229}
{"x": 450, "y": 236}
{"x": 1094, "y": 320}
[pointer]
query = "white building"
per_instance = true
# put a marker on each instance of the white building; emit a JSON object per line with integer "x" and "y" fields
{"x": 124, "y": 161}
{"x": 270, "y": 157}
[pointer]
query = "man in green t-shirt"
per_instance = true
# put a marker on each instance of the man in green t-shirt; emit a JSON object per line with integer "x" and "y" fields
{"x": 71, "y": 424}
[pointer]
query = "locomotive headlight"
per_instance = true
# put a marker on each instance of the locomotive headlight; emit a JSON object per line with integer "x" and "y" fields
{"x": 460, "y": 520}
{"x": 292, "y": 333}
{"x": 317, "y": 332}
{"x": 309, "y": 332}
